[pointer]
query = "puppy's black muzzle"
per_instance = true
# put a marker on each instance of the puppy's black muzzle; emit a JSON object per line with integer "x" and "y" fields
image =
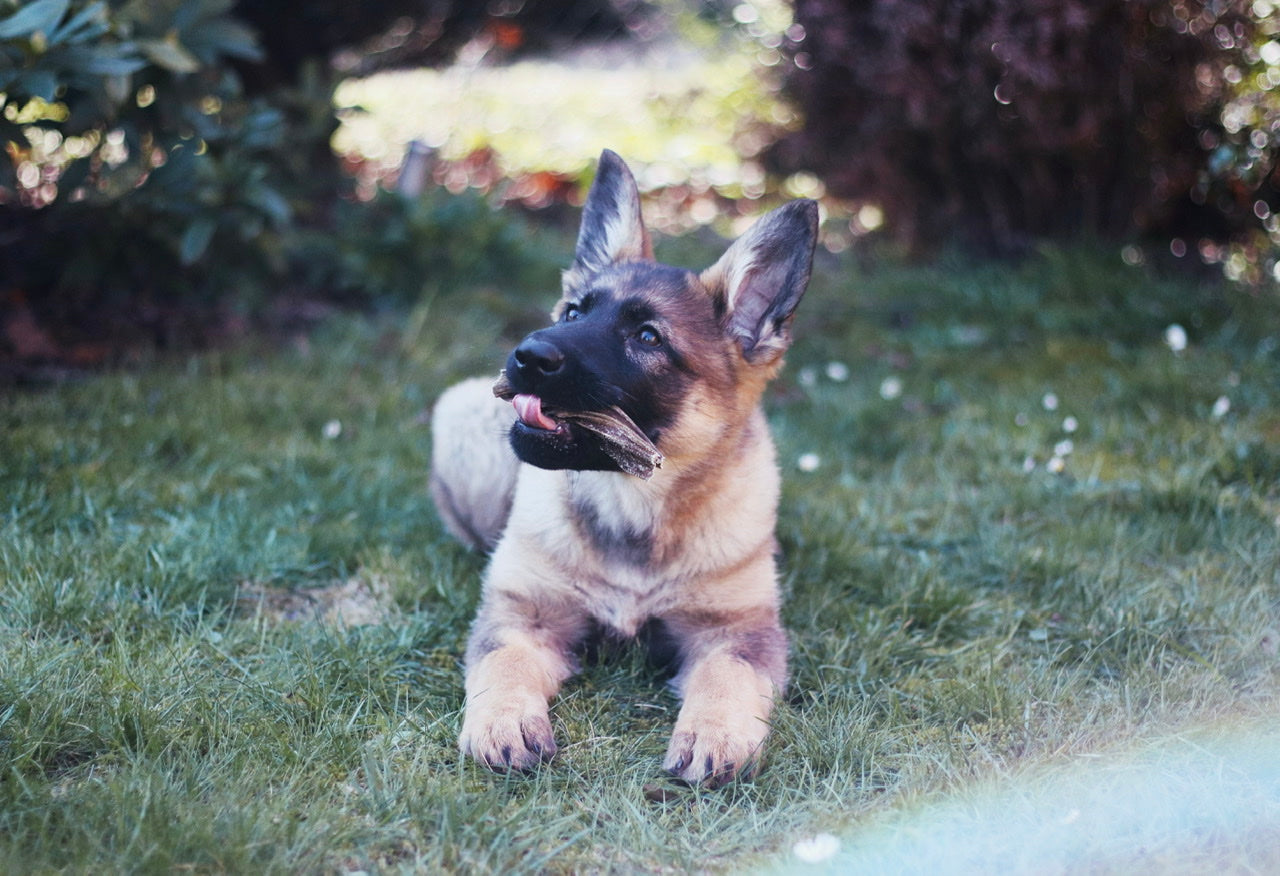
{"x": 563, "y": 367}
{"x": 553, "y": 367}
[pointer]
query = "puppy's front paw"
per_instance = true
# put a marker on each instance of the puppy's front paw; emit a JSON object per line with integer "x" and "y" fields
{"x": 713, "y": 755}
{"x": 507, "y": 738}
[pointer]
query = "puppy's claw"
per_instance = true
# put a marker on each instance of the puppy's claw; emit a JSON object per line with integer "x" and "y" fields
{"x": 508, "y": 743}
{"x": 711, "y": 759}
{"x": 679, "y": 753}
{"x": 536, "y": 733}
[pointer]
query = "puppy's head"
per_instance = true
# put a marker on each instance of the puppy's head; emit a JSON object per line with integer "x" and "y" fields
{"x": 649, "y": 338}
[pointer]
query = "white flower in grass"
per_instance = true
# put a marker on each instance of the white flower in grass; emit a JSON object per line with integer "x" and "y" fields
{"x": 1056, "y": 465}
{"x": 837, "y": 371}
{"x": 807, "y": 376}
{"x": 1029, "y": 464}
{"x": 1065, "y": 447}
{"x": 1021, "y": 419}
{"x": 1050, "y": 401}
{"x": 808, "y": 462}
{"x": 332, "y": 429}
{"x": 1070, "y": 424}
{"x": 890, "y": 388}
{"x": 816, "y": 849}
{"x": 1220, "y": 407}
{"x": 1175, "y": 337}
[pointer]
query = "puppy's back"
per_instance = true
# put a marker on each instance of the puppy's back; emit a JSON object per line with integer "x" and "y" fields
{"x": 473, "y": 469}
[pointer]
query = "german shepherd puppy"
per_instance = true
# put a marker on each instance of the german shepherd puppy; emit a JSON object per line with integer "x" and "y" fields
{"x": 577, "y": 543}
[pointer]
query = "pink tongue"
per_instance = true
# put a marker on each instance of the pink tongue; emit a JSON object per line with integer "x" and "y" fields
{"x": 529, "y": 410}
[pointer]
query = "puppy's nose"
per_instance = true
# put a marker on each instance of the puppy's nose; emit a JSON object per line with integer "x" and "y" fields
{"x": 538, "y": 355}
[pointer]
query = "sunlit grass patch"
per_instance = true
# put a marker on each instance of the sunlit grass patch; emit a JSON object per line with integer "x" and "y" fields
{"x": 964, "y": 626}
{"x": 692, "y": 126}
{"x": 672, "y": 118}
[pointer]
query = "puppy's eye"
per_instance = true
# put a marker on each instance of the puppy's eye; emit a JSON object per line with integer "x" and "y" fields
{"x": 648, "y": 335}
{"x": 571, "y": 312}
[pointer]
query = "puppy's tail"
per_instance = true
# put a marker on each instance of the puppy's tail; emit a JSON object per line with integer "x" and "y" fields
{"x": 473, "y": 469}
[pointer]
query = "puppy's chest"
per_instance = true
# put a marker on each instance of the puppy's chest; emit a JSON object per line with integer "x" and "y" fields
{"x": 631, "y": 579}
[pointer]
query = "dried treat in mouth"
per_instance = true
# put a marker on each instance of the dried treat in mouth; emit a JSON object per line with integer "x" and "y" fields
{"x": 629, "y": 447}
{"x": 620, "y": 437}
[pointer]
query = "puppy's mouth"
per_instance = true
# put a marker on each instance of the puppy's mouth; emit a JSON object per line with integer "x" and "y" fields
{"x": 529, "y": 410}
{"x": 616, "y": 433}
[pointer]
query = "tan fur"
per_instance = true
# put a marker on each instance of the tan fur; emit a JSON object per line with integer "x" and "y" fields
{"x": 693, "y": 547}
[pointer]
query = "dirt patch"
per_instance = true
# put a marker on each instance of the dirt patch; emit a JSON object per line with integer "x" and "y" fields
{"x": 359, "y": 601}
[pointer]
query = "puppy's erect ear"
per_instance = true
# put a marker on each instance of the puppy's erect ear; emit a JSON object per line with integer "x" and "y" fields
{"x": 759, "y": 281}
{"x": 612, "y": 230}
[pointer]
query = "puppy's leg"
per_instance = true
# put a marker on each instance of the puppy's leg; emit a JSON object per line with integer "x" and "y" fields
{"x": 735, "y": 666}
{"x": 517, "y": 657}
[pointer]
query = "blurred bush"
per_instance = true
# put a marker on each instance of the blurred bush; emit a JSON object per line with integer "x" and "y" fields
{"x": 138, "y": 168}
{"x": 163, "y": 170}
{"x": 1007, "y": 120}
{"x": 398, "y": 249}
{"x": 382, "y": 34}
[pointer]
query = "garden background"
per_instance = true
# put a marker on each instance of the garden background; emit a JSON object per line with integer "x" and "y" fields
{"x": 1031, "y": 519}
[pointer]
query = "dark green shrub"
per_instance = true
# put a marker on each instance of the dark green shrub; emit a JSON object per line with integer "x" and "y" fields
{"x": 412, "y": 33}
{"x": 146, "y": 189}
{"x": 137, "y": 166}
{"x": 399, "y": 249}
{"x": 1003, "y": 121}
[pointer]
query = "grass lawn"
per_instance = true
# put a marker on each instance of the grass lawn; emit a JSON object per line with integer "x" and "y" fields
{"x": 1031, "y": 558}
